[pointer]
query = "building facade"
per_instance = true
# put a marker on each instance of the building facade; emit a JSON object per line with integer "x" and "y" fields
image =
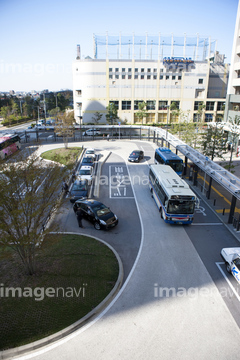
{"x": 164, "y": 83}
{"x": 233, "y": 91}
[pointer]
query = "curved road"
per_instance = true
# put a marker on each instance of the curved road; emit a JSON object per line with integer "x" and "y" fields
{"x": 169, "y": 306}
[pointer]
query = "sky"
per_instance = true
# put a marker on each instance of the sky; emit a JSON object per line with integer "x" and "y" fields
{"x": 38, "y": 41}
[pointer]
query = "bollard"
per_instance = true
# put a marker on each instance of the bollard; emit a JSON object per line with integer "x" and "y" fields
{"x": 214, "y": 202}
{"x": 223, "y": 211}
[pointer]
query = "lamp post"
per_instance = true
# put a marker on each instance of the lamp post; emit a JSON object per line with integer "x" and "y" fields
{"x": 168, "y": 106}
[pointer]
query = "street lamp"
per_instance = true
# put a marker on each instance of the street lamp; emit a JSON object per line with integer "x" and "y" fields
{"x": 168, "y": 107}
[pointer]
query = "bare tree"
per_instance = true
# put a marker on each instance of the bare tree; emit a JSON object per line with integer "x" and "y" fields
{"x": 29, "y": 192}
{"x": 65, "y": 126}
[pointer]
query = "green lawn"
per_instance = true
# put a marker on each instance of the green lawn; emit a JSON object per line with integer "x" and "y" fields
{"x": 78, "y": 272}
{"x": 64, "y": 156}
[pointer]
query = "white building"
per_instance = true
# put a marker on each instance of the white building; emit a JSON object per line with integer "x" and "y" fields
{"x": 167, "y": 74}
{"x": 233, "y": 91}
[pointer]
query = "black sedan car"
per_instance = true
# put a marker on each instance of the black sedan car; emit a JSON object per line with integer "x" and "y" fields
{"x": 96, "y": 212}
{"x": 79, "y": 190}
{"x": 136, "y": 156}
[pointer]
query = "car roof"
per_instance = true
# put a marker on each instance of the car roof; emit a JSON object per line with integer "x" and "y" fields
{"x": 85, "y": 167}
{"x": 88, "y": 149}
{"x": 90, "y": 202}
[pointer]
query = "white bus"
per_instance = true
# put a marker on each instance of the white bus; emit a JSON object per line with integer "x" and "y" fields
{"x": 173, "y": 196}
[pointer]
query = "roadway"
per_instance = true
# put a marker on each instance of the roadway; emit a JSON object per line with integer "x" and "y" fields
{"x": 177, "y": 300}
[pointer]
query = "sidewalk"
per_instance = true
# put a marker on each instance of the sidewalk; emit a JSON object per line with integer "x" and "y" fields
{"x": 235, "y": 169}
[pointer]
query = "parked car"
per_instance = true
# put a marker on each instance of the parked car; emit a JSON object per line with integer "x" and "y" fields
{"x": 86, "y": 172}
{"x": 90, "y": 151}
{"x": 79, "y": 190}
{"x": 136, "y": 156}
{"x": 88, "y": 160}
{"x": 231, "y": 256}
{"x": 97, "y": 213}
{"x": 91, "y": 132}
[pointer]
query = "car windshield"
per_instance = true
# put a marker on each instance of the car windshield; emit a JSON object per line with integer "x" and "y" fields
{"x": 90, "y": 152}
{"x": 79, "y": 187}
{"x": 88, "y": 160}
{"x": 84, "y": 172}
{"x": 101, "y": 210}
{"x": 135, "y": 153}
{"x": 180, "y": 207}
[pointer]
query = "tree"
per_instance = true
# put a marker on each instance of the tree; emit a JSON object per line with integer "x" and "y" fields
{"x": 142, "y": 111}
{"x": 234, "y": 125}
{"x": 97, "y": 117}
{"x": 27, "y": 198}
{"x": 111, "y": 115}
{"x": 214, "y": 144}
{"x": 175, "y": 110}
{"x": 64, "y": 126}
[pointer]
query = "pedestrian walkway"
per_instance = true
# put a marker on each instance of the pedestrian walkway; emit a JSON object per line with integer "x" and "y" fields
{"x": 220, "y": 213}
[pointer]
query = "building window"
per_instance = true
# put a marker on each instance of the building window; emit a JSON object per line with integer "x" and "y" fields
{"x": 136, "y": 102}
{"x": 129, "y": 70}
{"x": 142, "y": 70}
{"x": 110, "y": 76}
{"x": 177, "y": 103}
{"x": 151, "y": 104}
{"x": 208, "y": 117}
{"x": 136, "y": 70}
{"x": 126, "y": 105}
{"x": 142, "y": 77}
{"x": 116, "y": 103}
{"x": 123, "y": 69}
{"x": 154, "y": 77}
{"x": 197, "y": 104}
{"x": 116, "y": 76}
{"x": 149, "y": 77}
{"x": 148, "y": 70}
{"x": 161, "y": 77}
{"x": 123, "y": 76}
{"x": 173, "y": 77}
{"x": 179, "y": 77}
{"x": 220, "y": 106}
{"x": 116, "y": 69}
{"x": 161, "y": 70}
{"x": 162, "y": 105}
{"x": 167, "y": 77}
{"x": 155, "y": 70}
{"x": 210, "y": 105}
{"x": 110, "y": 69}
{"x": 135, "y": 76}
{"x": 129, "y": 77}
{"x": 200, "y": 81}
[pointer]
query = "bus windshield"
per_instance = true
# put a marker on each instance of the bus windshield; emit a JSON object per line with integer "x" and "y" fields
{"x": 177, "y": 166}
{"x": 181, "y": 207}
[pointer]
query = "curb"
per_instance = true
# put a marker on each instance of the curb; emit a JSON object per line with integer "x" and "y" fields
{"x": 99, "y": 169}
{"x": 25, "y": 349}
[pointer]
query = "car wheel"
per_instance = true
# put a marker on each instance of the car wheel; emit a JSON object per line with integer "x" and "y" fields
{"x": 161, "y": 211}
{"x": 228, "y": 267}
{"x": 97, "y": 226}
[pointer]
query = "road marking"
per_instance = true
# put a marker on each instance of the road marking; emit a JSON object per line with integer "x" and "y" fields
{"x": 225, "y": 277}
{"x": 202, "y": 224}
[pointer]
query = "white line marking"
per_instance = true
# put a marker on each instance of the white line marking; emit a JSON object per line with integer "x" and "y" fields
{"x": 225, "y": 277}
{"x": 202, "y": 224}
